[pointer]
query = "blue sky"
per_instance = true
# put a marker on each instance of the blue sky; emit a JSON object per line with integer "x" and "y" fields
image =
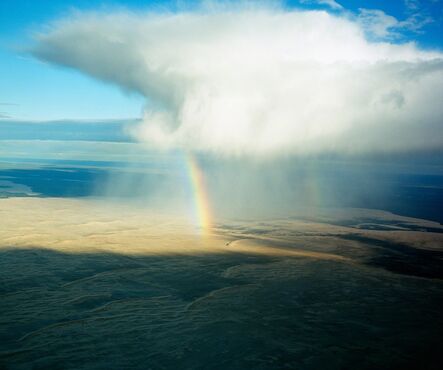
{"x": 33, "y": 90}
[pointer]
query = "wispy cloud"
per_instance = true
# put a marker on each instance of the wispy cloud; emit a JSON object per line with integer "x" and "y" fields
{"x": 330, "y": 3}
{"x": 260, "y": 81}
{"x": 377, "y": 23}
{"x": 412, "y": 5}
{"x": 416, "y": 22}
{"x": 5, "y": 115}
{"x": 383, "y": 26}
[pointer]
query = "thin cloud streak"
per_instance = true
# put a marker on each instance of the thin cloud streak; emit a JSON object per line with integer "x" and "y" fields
{"x": 330, "y": 3}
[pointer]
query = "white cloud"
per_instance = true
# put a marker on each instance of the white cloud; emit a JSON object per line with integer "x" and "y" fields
{"x": 259, "y": 81}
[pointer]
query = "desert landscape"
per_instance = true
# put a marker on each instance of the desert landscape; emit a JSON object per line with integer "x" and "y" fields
{"x": 91, "y": 284}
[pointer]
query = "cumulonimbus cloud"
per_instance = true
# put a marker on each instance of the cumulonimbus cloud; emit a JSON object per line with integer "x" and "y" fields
{"x": 259, "y": 81}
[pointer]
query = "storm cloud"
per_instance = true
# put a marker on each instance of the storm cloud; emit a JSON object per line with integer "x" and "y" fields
{"x": 258, "y": 80}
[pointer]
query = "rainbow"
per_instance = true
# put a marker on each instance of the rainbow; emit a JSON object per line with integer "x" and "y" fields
{"x": 201, "y": 201}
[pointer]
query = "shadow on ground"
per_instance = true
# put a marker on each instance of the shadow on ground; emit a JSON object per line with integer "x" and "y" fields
{"x": 228, "y": 311}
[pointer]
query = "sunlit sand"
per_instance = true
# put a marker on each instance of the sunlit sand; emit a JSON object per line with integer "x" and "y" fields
{"x": 92, "y": 225}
